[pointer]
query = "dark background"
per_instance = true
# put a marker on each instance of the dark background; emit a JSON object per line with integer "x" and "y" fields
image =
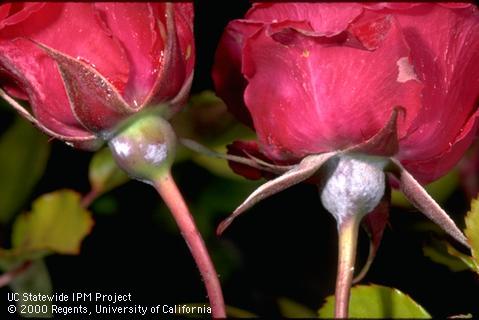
{"x": 285, "y": 246}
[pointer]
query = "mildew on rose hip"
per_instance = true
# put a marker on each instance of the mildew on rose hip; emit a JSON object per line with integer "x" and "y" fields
{"x": 354, "y": 185}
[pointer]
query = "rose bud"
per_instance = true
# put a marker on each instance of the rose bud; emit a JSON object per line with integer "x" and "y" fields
{"x": 356, "y": 96}
{"x": 84, "y": 67}
{"x": 114, "y": 72}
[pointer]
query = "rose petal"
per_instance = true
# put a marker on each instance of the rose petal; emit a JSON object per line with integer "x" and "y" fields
{"x": 136, "y": 28}
{"x": 229, "y": 82}
{"x": 325, "y": 18}
{"x": 317, "y": 98}
{"x": 455, "y": 5}
{"x": 75, "y": 21}
{"x": 390, "y": 5}
{"x": 13, "y": 13}
{"x": 171, "y": 77}
{"x": 444, "y": 51}
{"x": 39, "y": 77}
{"x": 429, "y": 170}
{"x": 4, "y": 12}
{"x": 184, "y": 15}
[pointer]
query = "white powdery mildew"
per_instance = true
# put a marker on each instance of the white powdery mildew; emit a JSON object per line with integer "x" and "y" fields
{"x": 156, "y": 153}
{"x": 122, "y": 148}
{"x": 355, "y": 187}
{"x": 405, "y": 70}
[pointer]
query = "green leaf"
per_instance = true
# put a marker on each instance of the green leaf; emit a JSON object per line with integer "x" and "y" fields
{"x": 472, "y": 231}
{"x": 57, "y": 224}
{"x": 105, "y": 205}
{"x": 104, "y": 174}
{"x": 35, "y": 280}
{"x": 439, "y": 252}
{"x": 24, "y": 154}
{"x": 234, "y": 312}
{"x": 374, "y": 301}
{"x": 467, "y": 260}
{"x": 292, "y": 309}
{"x": 207, "y": 121}
{"x": 440, "y": 190}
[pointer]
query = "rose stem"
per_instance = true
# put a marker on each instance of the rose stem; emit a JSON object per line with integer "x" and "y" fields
{"x": 88, "y": 198}
{"x": 9, "y": 276}
{"x": 348, "y": 235}
{"x": 166, "y": 187}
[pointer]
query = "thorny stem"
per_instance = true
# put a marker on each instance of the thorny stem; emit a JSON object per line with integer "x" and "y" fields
{"x": 348, "y": 235}
{"x": 168, "y": 190}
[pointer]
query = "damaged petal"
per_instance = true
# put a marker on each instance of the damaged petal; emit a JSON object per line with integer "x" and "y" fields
{"x": 405, "y": 70}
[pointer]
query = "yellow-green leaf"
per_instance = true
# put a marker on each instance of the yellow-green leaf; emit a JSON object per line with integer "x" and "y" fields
{"x": 292, "y": 309}
{"x": 375, "y": 301}
{"x": 441, "y": 252}
{"x": 57, "y": 223}
{"x": 104, "y": 174}
{"x": 467, "y": 260}
{"x": 234, "y": 312}
{"x": 472, "y": 231}
{"x": 24, "y": 152}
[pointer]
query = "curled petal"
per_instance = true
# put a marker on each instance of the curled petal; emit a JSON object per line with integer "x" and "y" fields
{"x": 327, "y": 19}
